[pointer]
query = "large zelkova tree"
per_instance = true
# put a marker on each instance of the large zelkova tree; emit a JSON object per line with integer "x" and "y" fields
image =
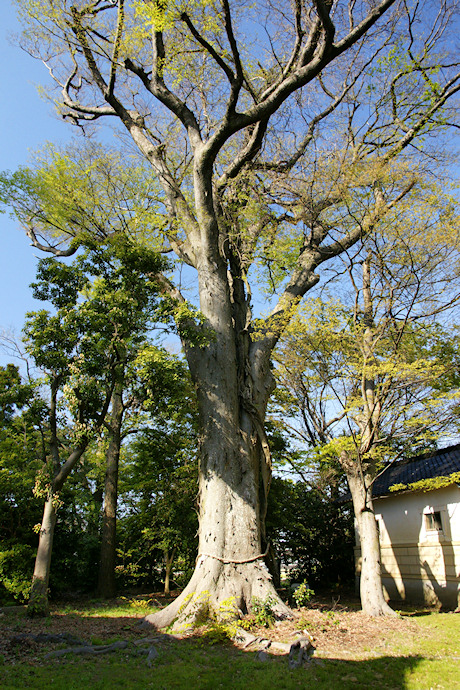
{"x": 368, "y": 375}
{"x": 102, "y": 305}
{"x": 239, "y": 110}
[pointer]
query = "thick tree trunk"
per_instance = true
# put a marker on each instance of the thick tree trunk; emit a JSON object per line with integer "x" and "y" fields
{"x": 38, "y": 600}
{"x": 230, "y": 570}
{"x": 371, "y": 590}
{"x": 106, "y": 580}
{"x": 232, "y": 391}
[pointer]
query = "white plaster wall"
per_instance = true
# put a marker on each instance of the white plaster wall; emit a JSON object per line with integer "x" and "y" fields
{"x": 401, "y": 520}
{"x": 420, "y": 564}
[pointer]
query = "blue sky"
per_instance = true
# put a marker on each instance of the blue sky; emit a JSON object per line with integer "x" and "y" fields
{"x": 26, "y": 122}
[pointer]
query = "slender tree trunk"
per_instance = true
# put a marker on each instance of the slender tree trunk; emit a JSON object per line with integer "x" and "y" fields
{"x": 360, "y": 474}
{"x": 233, "y": 384}
{"x": 38, "y": 600}
{"x": 106, "y": 580}
{"x": 169, "y": 558}
{"x": 371, "y": 590}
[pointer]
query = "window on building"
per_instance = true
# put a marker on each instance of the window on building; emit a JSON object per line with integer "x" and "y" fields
{"x": 433, "y": 521}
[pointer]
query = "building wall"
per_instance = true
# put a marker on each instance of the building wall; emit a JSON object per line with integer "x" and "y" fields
{"x": 420, "y": 546}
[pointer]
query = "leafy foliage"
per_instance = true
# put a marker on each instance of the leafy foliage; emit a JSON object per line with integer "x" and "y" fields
{"x": 20, "y": 457}
{"x": 428, "y": 484}
{"x": 262, "y": 610}
{"x": 159, "y": 488}
{"x": 312, "y": 535}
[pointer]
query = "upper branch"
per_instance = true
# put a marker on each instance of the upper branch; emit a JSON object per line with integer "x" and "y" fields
{"x": 288, "y": 163}
{"x": 237, "y": 83}
{"x": 49, "y": 248}
{"x": 116, "y": 45}
{"x": 247, "y": 154}
{"x": 450, "y": 89}
{"x": 159, "y": 89}
{"x": 298, "y": 39}
{"x": 324, "y": 10}
{"x": 208, "y": 46}
{"x": 317, "y": 54}
{"x": 311, "y": 257}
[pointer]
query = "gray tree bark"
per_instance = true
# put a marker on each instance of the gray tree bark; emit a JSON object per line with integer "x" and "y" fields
{"x": 373, "y": 602}
{"x": 38, "y": 600}
{"x": 169, "y": 559}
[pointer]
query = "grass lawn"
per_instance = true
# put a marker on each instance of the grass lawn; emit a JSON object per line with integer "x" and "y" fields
{"x": 419, "y": 651}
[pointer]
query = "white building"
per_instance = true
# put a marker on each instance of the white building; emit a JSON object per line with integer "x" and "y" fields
{"x": 420, "y": 529}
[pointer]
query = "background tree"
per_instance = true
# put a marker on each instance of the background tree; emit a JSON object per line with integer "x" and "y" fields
{"x": 309, "y": 531}
{"x": 82, "y": 347}
{"x": 365, "y": 373}
{"x": 220, "y": 121}
{"x": 312, "y": 534}
{"x": 100, "y": 195}
{"x": 148, "y": 377}
{"x": 159, "y": 483}
{"x": 21, "y": 412}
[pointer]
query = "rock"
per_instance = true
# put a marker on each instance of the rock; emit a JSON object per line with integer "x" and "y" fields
{"x": 245, "y": 637}
{"x": 48, "y": 637}
{"x": 263, "y": 656}
{"x": 70, "y": 650}
{"x": 159, "y": 639}
{"x": 114, "y": 647}
{"x": 152, "y": 655}
{"x": 58, "y": 637}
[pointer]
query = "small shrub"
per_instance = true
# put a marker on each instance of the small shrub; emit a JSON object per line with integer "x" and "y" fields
{"x": 246, "y": 623}
{"x": 217, "y": 633}
{"x": 303, "y": 594}
{"x": 141, "y": 605}
{"x": 332, "y": 618}
{"x": 262, "y": 610}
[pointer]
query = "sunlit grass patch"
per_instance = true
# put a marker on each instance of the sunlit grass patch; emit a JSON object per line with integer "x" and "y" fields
{"x": 136, "y": 606}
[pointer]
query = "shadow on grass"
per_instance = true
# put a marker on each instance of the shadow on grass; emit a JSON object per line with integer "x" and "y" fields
{"x": 190, "y": 662}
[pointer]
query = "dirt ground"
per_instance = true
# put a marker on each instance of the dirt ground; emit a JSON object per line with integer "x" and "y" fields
{"x": 338, "y": 629}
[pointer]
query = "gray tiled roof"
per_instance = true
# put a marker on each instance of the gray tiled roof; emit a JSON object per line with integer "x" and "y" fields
{"x": 438, "y": 463}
